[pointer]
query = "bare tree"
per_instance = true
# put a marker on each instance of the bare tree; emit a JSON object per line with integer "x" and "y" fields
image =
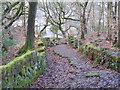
{"x": 57, "y": 14}
{"x": 83, "y": 21}
{"x": 11, "y": 13}
{"x": 30, "y": 28}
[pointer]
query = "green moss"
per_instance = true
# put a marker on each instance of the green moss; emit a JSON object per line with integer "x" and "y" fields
{"x": 40, "y": 43}
{"x": 93, "y": 74}
{"x": 95, "y": 65}
{"x": 73, "y": 71}
{"x": 76, "y": 43}
{"x": 98, "y": 40}
{"x": 42, "y": 53}
{"x": 102, "y": 56}
{"x": 98, "y": 60}
{"x": 72, "y": 63}
{"x": 23, "y": 49}
{"x": 96, "y": 44}
{"x": 46, "y": 41}
{"x": 115, "y": 64}
{"x": 71, "y": 40}
{"x": 91, "y": 46}
{"x": 23, "y": 70}
{"x": 42, "y": 49}
{"x": 16, "y": 60}
{"x": 103, "y": 48}
{"x": 116, "y": 59}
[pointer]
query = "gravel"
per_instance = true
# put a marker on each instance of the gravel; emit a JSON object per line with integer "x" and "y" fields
{"x": 59, "y": 74}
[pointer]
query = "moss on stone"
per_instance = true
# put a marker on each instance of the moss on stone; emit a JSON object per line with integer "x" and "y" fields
{"x": 42, "y": 49}
{"x": 40, "y": 43}
{"x": 98, "y": 40}
{"x": 93, "y": 74}
{"x": 46, "y": 41}
{"x": 115, "y": 64}
{"x": 103, "y": 48}
{"x": 101, "y": 56}
{"x": 23, "y": 70}
{"x": 73, "y": 71}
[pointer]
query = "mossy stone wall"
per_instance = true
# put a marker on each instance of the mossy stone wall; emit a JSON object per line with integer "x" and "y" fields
{"x": 23, "y": 70}
{"x": 101, "y": 57}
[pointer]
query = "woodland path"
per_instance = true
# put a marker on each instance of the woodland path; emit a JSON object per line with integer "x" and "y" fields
{"x": 69, "y": 69}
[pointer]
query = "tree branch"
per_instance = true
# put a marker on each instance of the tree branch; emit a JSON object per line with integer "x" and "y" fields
{"x": 71, "y": 19}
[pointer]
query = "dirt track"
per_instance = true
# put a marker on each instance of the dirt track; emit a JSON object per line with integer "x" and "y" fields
{"x": 69, "y": 69}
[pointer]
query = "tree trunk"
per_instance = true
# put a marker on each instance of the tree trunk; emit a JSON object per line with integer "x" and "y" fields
{"x": 103, "y": 6}
{"x": 24, "y": 18}
{"x": 119, "y": 24}
{"x": 109, "y": 21}
{"x": 82, "y": 29}
{"x": 84, "y": 22}
{"x": 63, "y": 33}
{"x": 82, "y": 35}
{"x": 29, "y": 45}
{"x": 83, "y": 25}
{"x": 93, "y": 21}
{"x": 100, "y": 17}
{"x": 115, "y": 17}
